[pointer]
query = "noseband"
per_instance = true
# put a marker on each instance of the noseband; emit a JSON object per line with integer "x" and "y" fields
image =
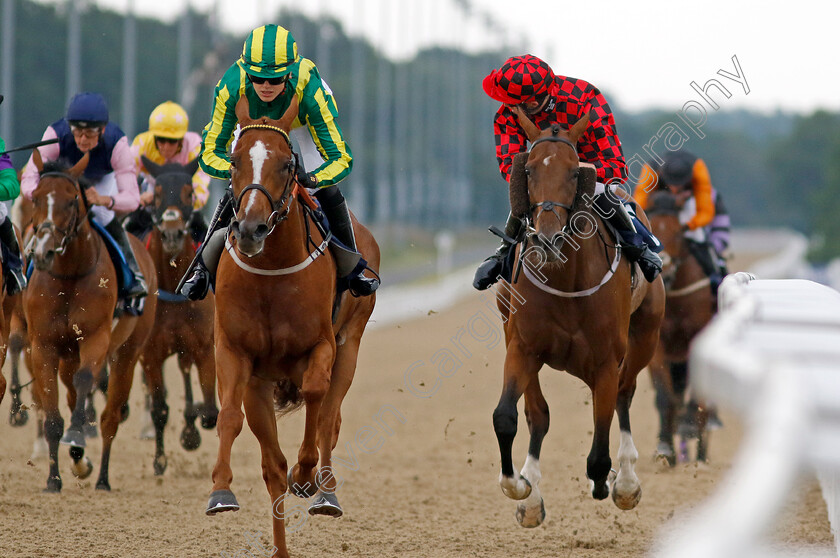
{"x": 72, "y": 230}
{"x": 276, "y": 216}
{"x": 551, "y": 205}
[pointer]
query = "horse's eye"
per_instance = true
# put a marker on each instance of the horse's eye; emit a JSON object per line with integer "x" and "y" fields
{"x": 527, "y": 172}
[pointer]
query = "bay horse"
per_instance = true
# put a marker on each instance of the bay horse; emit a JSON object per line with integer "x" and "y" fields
{"x": 275, "y": 334}
{"x": 578, "y": 308}
{"x": 689, "y": 308}
{"x": 182, "y": 327}
{"x": 69, "y": 307}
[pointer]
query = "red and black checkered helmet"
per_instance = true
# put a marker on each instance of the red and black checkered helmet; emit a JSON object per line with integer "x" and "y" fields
{"x": 520, "y": 79}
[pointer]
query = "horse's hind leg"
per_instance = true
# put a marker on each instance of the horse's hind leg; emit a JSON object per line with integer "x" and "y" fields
{"x": 598, "y": 463}
{"x": 259, "y": 407}
{"x": 153, "y": 371}
{"x": 531, "y": 512}
{"x": 666, "y": 408}
{"x": 119, "y": 386}
{"x": 190, "y": 437}
{"x": 18, "y": 416}
{"x": 206, "y": 365}
{"x": 316, "y": 383}
{"x": 520, "y": 370}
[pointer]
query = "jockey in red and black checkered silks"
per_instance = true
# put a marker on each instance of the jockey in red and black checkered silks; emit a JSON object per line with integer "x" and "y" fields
{"x": 528, "y": 83}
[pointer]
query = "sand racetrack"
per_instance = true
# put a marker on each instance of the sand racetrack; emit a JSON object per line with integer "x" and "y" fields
{"x": 427, "y": 486}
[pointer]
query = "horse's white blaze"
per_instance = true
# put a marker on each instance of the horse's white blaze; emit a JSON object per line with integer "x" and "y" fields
{"x": 252, "y": 199}
{"x": 547, "y": 160}
{"x": 258, "y": 154}
{"x": 50, "y": 206}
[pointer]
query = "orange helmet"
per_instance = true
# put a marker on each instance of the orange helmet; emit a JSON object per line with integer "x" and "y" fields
{"x": 169, "y": 120}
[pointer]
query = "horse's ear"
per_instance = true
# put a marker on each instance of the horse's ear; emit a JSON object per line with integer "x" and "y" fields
{"x": 37, "y": 160}
{"x": 579, "y": 127}
{"x": 290, "y": 115}
{"x": 191, "y": 167}
{"x": 242, "y": 110}
{"x": 77, "y": 169}
{"x": 531, "y": 129}
{"x": 153, "y": 168}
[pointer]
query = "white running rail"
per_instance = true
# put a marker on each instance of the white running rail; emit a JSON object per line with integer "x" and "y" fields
{"x": 772, "y": 354}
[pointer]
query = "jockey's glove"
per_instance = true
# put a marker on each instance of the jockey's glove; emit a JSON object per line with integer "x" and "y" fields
{"x": 306, "y": 179}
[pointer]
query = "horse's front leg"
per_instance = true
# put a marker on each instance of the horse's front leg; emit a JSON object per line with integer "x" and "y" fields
{"x": 598, "y": 463}
{"x": 44, "y": 370}
{"x": 233, "y": 371}
{"x": 666, "y": 406}
{"x": 627, "y": 490}
{"x": 531, "y": 512}
{"x": 259, "y": 408}
{"x": 520, "y": 370}
{"x": 316, "y": 383}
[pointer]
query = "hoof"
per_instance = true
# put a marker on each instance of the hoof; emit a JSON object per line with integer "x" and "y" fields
{"x": 75, "y": 438}
{"x": 221, "y": 501}
{"x": 160, "y": 464}
{"x": 103, "y": 484}
{"x": 600, "y": 490}
{"x": 82, "y": 469}
{"x": 301, "y": 491}
{"x": 18, "y": 418}
{"x": 326, "y": 503}
{"x": 511, "y": 488}
{"x": 90, "y": 430}
{"x": 190, "y": 438}
{"x": 665, "y": 454}
{"x": 530, "y": 518}
{"x": 208, "y": 420}
{"x": 627, "y": 502}
{"x": 53, "y": 485}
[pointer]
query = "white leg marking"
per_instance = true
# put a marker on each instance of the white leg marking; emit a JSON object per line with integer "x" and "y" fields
{"x": 531, "y": 512}
{"x": 627, "y": 489}
{"x": 515, "y": 487}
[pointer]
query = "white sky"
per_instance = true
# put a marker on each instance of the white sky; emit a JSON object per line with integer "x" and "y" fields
{"x": 644, "y": 53}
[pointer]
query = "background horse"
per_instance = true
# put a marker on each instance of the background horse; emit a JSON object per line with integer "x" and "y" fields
{"x": 274, "y": 331}
{"x": 574, "y": 310}
{"x": 69, "y": 307}
{"x": 688, "y": 310}
{"x": 182, "y": 327}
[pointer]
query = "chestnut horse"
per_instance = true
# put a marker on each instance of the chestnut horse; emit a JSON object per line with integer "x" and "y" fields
{"x": 69, "y": 308}
{"x": 182, "y": 327}
{"x": 688, "y": 310}
{"x": 578, "y": 308}
{"x": 275, "y": 289}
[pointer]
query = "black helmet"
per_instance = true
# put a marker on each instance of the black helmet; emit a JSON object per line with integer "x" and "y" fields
{"x": 678, "y": 168}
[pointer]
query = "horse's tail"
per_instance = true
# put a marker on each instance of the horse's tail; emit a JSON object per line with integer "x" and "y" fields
{"x": 287, "y": 397}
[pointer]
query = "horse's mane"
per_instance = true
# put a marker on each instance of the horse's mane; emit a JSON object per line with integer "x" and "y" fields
{"x": 63, "y": 167}
{"x": 661, "y": 202}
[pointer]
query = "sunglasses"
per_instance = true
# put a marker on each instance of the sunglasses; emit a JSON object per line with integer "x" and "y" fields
{"x": 271, "y": 81}
{"x": 89, "y": 133}
{"x": 166, "y": 140}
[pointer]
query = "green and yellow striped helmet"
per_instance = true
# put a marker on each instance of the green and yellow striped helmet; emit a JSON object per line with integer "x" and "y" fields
{"x": 269, "y": 51}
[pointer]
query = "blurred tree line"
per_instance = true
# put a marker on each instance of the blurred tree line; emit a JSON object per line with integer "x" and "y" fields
{"x": 423, "y": 139}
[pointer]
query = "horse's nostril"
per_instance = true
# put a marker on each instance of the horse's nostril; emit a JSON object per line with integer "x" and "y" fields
{"x": 261, "y": 231}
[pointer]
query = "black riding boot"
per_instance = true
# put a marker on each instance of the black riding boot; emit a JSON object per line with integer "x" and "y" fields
{"x": 15, "y": 276}
{"x": 341, "y": 225}
{"x": 705, "y": 255}
{"x": 137, "y": 288}
{"x": 488, "y": 272}
{"x": 632, "y": 241}
{"x": 195, "y": 287}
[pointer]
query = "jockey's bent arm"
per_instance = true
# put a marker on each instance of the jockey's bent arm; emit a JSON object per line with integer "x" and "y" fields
{"x": 9, "y": 185}
{"x": 30, "y": 177}
{"x": 127, "y": 198}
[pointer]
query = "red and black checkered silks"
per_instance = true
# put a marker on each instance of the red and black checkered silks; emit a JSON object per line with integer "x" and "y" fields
{"x": 519, "y": 80}
{"x": 598, "y": 145}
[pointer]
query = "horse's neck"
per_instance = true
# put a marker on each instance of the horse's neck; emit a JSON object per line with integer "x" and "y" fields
{"x": 169, "y": 269}
{"x": 81, "y": 253}
{"x": 287, "y": 245}
{"x": 688, "y": 271}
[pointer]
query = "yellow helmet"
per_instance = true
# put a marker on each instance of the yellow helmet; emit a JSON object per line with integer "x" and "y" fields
{"x": 169, "y": 120}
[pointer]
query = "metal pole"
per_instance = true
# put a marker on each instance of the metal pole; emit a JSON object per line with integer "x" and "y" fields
{"x": 383, "y": 129}
{"x": 74, "y": 49}
{"x": 359, "y": 179}
{"x": 7, "y": 58}
{"x": 184, "y": 51}
{"x": 129, "y": 77}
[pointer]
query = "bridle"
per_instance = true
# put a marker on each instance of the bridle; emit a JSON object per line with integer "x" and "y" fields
{"x": 552, "y": 205}
{"x": 285, "y": 202}
{"x": 70, "y": 232}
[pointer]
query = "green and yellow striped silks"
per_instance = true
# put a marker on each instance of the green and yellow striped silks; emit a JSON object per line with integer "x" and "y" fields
{"x": 269, "y": 51}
